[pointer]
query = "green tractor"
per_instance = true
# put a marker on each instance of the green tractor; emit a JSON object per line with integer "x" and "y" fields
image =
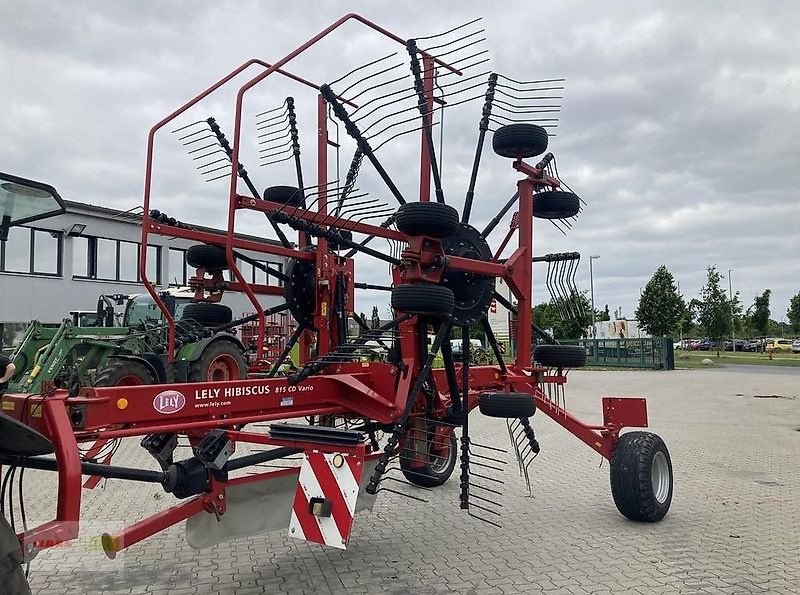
{"x": 132, "y": 352}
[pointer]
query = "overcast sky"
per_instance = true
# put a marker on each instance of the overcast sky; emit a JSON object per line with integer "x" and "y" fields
{"x": 679, "y": 124}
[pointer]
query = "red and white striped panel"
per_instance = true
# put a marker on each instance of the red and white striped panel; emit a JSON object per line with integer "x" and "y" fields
{"x": 336, "y": 478}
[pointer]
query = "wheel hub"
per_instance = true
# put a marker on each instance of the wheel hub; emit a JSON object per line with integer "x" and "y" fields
{"x": 473, "y": 292}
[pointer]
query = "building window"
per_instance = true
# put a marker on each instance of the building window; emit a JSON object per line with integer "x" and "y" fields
{"x": 178, "y": 275}
{"x": 128, "y": 261}
{"x": 273, "y": 280}
{"x": 113, "y": 260}
{"x": 33, "y": 251}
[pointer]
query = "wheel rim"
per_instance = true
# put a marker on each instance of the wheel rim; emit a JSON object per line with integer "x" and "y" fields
{"x": 440, "y": 458}
{"x": 660, "y": 477}
{"x": 130, "y": 380}
{"x": 223, "y": 367}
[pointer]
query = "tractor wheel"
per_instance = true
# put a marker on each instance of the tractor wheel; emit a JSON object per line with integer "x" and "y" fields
{"x": 221, "y": 360}
{"x": 641, "y": 477}
{"x": 507, "y": 405}
{"x": 423, "y": 298}
{"x": 204, "y": 256}
{"x": 12, "y": 576}
{"x": 285, "y": 195}
{"x": 555, "y": 204}
{"x": 560, "y": 356}
{"x": 207, "y": 314}
{"x": 433, "y": 219}
{"x": 440, "y": 462}
{"x": 519, "y": 141}
{"x": 123, "y": 372}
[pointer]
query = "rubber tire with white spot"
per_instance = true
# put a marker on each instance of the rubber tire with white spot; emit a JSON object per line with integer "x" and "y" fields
{"x": 519, "y": 141}
{"x": 560, "y": 356}
{"x": 204, "y": 256}
{"x": 423, "y": 298}
{"x": 631, "y": 477}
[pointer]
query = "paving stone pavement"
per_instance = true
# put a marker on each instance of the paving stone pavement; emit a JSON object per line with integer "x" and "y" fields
{"x": 734, "y": 526}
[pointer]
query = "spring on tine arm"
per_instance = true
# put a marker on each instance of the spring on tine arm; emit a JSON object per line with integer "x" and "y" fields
{"x": 356, "y": 135}
{"x": 483, "y": 126}
{"x": 422, "y": 105}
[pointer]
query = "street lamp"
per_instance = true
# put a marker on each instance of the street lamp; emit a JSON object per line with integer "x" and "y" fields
{"x": 733, "y": 322}
{"x": 591, "y": 287}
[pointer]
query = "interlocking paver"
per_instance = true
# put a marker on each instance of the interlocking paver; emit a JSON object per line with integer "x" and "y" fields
{"x": 734, "y": 526}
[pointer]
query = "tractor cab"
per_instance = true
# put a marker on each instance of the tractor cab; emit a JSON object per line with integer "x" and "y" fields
{"x": 142, "y": 308}
{"x": 24, "y": 201}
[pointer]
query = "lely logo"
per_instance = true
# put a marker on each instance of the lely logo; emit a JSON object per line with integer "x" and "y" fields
{"x": 169, "y": 402}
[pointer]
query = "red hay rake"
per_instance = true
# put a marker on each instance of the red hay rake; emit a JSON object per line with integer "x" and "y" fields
{"x": 443, "y": 279}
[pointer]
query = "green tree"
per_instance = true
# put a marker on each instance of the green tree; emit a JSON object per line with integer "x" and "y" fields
{"x": 661, "y": 307}
{"x": 548, "y": 315}
{"x": 793, "y": 313}
{"x": 603, "y": 315}
{"x": 759, "y": 312}
{"x": 715, "y": 312}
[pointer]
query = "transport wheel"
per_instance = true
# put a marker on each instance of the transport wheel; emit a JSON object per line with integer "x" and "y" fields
{"x": 203, "y": 256}
{"x": 432, "y": 219}
{"x": 440, "y": 462}
{"x": 221, "y": 360}
{"x": 555, "y": 204}
{"x": 507, "y": 404}
{"x": 207, "y": 314}
{"x": 123, "y": 372}
{"x": 519, "y": 141}
{"x": 423, "y": 298}
{"x": 285, "y": 195}
{"x": 641, "y": 476}
{"x": 560, "y": 356}
{"x": 12, "y": 576}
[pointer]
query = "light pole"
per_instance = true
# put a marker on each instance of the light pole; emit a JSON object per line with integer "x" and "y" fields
{"x": 733, "y": 322}
{"x": 591, "y": 288}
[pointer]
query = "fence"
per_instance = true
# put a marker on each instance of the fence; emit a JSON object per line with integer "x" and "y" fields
{"x": 656, "y": 353}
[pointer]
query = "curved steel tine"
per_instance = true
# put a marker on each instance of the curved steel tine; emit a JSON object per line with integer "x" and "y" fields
{"x": 274, "y": 118}
{"x": 276, "y": 161}
{"x": 210, "y": 153}
{"x": 188, "y": 126}
{"x": 375, "y": 215}
{"x": 274, "y": 124}
{"x": 287, "y": 132}
{"x": 366, "y": 78}
{"x": 463, "y": 47}
{"x": 391, "y": 138}
{"x": 274, "y": 109}
{"x": 384, "y": 84}
{"x": 362, "y": 67}
{"x": 428, "y": 50}
{"x": 276, "y": 153}
{"x": 199, "y": 131}
{"x": 335, "y": 217}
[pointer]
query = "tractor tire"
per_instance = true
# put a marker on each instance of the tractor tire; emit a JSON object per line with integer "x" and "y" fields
{"x": 285, "y": 195}
{"x": 432, "y": 219}
{"x": 423, "y": 298}
{"x": 438, "y": 467}
{"x": 207, "y": 314}
{"x": 12, "y": 576}
{"x": 221, "y": 360}
{"x": 560, "y": 356}
{"x": 641, "y": 477}
{"x": 204, "y": 256}
{"x": 507, "y": 405}
{"x": 555, "y": 204}
{"x": 519, "y": 141}
{"x": 123, "y": 372}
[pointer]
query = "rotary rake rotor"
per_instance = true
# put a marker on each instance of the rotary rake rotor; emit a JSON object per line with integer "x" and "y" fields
{"x": 363, "y": 419}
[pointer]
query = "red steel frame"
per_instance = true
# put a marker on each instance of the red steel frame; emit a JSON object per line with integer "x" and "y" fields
{"x": 376, "y": 391}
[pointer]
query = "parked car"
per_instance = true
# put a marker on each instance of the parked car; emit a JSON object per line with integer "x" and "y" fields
{"x": 739, "y": 343}
{"x": 779, "y": 346}
{"x": 796, "y": 346}
{"x": 752, "y": 345}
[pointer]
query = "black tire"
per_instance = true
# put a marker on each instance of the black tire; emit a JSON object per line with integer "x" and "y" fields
{"x": 560, "y": 356}
{"x": 555, "y": 204}
{"x": 432, "y": 219}
{"x": 203, "y": 256}
{"x": 12, "y": 576}
{"x": 285, "y": 195}
{"x": 124, "y": 372}
{"x": 423, "y": 298}
{"x": 207, "y": 314}
{"x": 639, "y": 483}
{"x": 519, "y": 141}
{"x": 507, "y": 405}
{"x": 437, "y": 468}
{"x": 221, "y": 360}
